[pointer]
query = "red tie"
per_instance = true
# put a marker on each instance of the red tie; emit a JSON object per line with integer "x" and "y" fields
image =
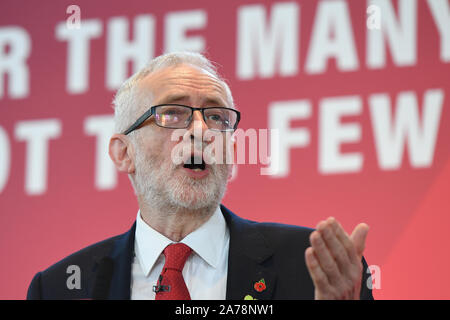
{"x": 171, "y": 285}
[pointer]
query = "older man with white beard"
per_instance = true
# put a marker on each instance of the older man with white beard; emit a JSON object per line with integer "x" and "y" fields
{"x": 185, "y": 244}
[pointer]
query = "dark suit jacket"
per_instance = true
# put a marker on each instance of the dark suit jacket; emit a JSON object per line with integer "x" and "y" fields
{"x": 269, "y": 251}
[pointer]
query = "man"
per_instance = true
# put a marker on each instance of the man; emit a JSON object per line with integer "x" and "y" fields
{"x": 185, "y": 244}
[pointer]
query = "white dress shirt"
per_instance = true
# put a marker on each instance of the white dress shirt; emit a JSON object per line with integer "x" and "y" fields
{"x": 205, "y": 271}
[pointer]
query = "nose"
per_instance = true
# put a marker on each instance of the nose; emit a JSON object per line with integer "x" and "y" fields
{"x": 198, "y": 124}
{"x": 197, "y": 127}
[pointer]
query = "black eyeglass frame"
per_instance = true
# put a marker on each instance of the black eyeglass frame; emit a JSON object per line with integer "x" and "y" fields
{"x": 151, "y": 112}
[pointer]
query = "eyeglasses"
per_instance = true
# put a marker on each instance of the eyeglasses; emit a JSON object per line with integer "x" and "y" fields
{"x": 178, "y": 116}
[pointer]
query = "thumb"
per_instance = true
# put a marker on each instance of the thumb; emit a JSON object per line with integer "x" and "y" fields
{"x": 358, "y": 237}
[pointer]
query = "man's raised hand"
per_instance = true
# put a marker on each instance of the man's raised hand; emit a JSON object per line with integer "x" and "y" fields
{"x": 334, "y": 260}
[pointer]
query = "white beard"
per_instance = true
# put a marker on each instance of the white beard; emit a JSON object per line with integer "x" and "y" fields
{"x": 163, "y": 185}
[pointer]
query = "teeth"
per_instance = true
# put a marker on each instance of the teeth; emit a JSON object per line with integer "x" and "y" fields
{"x": 197, "y": 169}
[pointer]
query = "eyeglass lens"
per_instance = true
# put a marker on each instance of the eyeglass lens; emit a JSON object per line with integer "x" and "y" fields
{"x": 180, "y": 117}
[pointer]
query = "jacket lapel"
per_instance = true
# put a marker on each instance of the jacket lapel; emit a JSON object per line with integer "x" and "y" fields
{"x": 248, "y": 261}
{"x": 122, "y": 255}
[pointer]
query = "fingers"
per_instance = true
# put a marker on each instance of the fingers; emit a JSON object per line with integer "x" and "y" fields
{"x": 334, "y": 244}
{"x": 359, "y": 236}
{"x": 319, "y": 278}
{"x": 325, "y": 258}
{"x": 346, "y": 242}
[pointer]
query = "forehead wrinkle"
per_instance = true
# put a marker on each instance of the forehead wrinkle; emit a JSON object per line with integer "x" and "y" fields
{"x": 198, "y": 84}
{"x": 184, "y": 82}
{"x": 174, "y": 97}
{"x": 184, "y": 91}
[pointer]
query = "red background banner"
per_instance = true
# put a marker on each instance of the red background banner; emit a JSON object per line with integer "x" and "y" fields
{"x": 363, "y": 110}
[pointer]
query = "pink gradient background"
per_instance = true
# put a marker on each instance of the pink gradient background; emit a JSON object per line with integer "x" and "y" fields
{"x": 407, "y": 209}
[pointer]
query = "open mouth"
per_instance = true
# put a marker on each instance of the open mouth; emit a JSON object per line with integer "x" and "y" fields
{"x": 195, "y": 163}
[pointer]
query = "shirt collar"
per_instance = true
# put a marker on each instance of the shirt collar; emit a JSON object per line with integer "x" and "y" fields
{"x": 208, "y": 241}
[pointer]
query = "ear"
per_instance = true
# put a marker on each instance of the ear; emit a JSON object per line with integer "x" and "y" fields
{"x": 121, "y": 152}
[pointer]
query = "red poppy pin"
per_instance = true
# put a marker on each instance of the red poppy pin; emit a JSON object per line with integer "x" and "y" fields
{"x": 260, "y": 285}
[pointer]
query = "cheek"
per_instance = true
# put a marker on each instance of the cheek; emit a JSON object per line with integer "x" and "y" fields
{"x": 157, "y": 143}
{"x": 165, "y": 152}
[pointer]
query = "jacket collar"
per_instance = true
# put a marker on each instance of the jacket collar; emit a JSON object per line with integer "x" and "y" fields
{"x": 122, "y": 254}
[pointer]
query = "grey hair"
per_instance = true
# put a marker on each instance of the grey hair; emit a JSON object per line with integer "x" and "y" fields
{"x": 126, "y": 101}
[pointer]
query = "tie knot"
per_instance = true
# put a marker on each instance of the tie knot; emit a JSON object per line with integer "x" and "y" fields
{"x": 176, "y": 255}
